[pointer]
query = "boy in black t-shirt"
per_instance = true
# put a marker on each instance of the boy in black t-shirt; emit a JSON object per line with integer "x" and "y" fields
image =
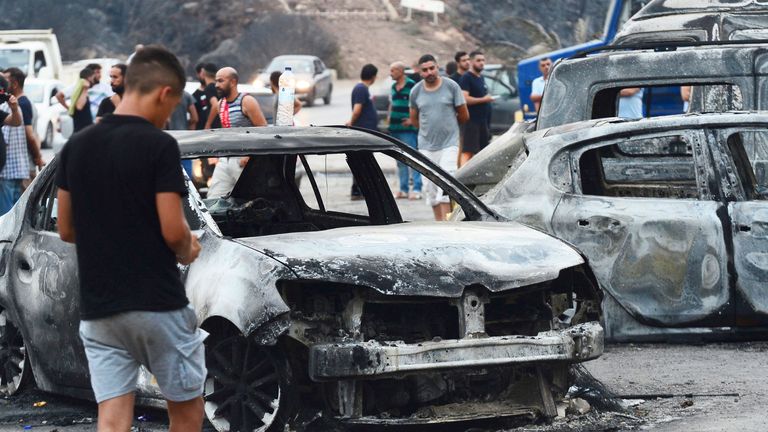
{"x": 120, "y": 201}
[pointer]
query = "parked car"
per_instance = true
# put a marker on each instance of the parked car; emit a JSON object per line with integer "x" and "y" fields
{"x": 500, "y": 81}
{"x": 724, "y": 77}
{"x": 672, "y": 214}
{"x": 315, "y": 310}
{"x": 313, "y": 78}
{"x": 47, "y": 109}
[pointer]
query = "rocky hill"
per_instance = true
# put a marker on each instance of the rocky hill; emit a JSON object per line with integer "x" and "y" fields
{"x": 345, "y": 33}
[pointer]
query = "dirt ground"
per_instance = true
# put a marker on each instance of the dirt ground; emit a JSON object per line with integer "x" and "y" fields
{"x": 718, "y": 387}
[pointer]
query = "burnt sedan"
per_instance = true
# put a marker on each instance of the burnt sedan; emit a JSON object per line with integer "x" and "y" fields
{"x": 672, "y": 214}
{"x": 319, "y": 305}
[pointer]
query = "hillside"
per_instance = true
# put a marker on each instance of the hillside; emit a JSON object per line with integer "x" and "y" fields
{"x": 345, "y": 33}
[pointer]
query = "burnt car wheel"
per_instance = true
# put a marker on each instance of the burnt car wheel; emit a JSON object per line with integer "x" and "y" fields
{"x": 14, "y": 366}
{"x": 248, "y": 387}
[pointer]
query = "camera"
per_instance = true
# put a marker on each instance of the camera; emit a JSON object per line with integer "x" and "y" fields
{"x": 5, "y": 90}
{"x": 4, "y": 96}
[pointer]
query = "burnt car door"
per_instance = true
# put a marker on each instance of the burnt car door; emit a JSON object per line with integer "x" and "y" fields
{"x": 42, "y": 274}
{"x": 645, "y": 212}
{"x": 747, "y": 168}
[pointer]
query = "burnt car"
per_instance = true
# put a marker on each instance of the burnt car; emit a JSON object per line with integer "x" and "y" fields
{"x": 672, "y": 214}
{"x": 314, "y": 307}
{"x": 686, "y": 20}
{"x": 723, "y": 78}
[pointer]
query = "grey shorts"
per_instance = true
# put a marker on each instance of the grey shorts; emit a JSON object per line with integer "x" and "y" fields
{"x": 168, "y": 344}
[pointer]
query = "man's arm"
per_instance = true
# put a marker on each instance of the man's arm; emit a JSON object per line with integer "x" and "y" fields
{"x": 81, "y": 101}
{"x": 174, "y": 228}
{"x": 414, "y": 117}
{"x": 252, "y": 110}
{"x": 214, "y": 104}
{"x": 33, "y": 146}
{"x": 471, "y": 100}
{"x": 64, "y": 216}
{"x": 193, "y": 118}
{"x": 15, "y": 119}
{"x": 536, "y": 98}
{"x": 62, "y": 99}
{"x": 357, "y": 109}
{"x": 629, "y": 91}
{"x": 462, "y": 114}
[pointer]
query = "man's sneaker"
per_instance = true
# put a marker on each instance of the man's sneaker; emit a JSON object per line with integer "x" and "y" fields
{"x": 401, "y": 195}
{"x": 414, "y": 196}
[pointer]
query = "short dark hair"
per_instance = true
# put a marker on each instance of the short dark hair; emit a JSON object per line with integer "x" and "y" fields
{"x": 476, "y": 53}
{"x": 17, "y": 75}
{"x": 94, "y": 66}
{"x": 152, "y": 67}
{"x": 274, "y": 78}
{"x": 427, "y": 58}
{"x": 199, "y": 67}
{"x": 459, "y": 55}
{"x": 451, "y": 68}
{"x": 123, "y": 67}
{"x": 86, "y": 73}
{"x": 369, "y": 72}
{"x": 543, "y": 59}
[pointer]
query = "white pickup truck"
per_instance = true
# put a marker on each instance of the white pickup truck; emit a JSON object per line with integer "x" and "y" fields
{"x": 36, "y": 52}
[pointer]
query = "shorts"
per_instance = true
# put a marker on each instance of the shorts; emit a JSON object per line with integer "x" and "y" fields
{"x": 447, "y": 159}
{"x": 168, "y": 344}
{"x": 476, "y": 137}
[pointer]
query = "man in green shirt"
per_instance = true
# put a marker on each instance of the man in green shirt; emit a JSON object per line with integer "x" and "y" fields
{"x": 400, "y": 127}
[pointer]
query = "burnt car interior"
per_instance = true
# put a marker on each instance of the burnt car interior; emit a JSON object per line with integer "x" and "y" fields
{"x": 709, "y": 97}
{"x": 654, "y": 167}
{"x": 268, "y": 197}
{"x": 749, "y": 151}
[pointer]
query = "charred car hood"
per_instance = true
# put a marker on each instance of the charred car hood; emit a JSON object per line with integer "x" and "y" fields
{"x": 423, "y": 259}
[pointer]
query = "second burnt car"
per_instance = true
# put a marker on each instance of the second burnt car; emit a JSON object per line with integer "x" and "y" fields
{"x": 319, "y": 305}
{"x": 672, "y": 214}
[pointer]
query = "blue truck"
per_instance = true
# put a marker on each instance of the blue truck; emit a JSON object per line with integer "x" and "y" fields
{"x": 656, "y": 101}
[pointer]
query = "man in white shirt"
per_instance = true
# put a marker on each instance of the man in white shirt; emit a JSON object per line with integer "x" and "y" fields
{"x": 537, "y": 87}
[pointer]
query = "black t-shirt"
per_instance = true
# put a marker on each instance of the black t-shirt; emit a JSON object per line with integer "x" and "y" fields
{"x": 105, "y": 107}
{"x": 475, "y": 85}
{"x": 82, "y": 118}
{"x": 27, "y": 111}
{"x": 113, "y": 171}
{"x": 368, "y": 118}
{"x": 203, "y": 106}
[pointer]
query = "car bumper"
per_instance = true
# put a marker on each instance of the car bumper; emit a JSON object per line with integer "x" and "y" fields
{"x": 373, "y": 359}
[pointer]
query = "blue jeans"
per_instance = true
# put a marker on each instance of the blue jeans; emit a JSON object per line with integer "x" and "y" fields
{"x": 410, "y": 138}
{"x": 10, "y": 192}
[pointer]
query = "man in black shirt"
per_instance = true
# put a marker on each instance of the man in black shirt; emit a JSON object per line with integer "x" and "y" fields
{"x": 477, "y": 132}
{"x": 462, "y": 66}
{"x": 120, "y": 201}
{"x": 205, "y": 96}
{"x": 116, "y": 78}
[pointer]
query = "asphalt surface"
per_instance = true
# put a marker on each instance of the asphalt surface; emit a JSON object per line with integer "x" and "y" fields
{"x": 715, "y": 387}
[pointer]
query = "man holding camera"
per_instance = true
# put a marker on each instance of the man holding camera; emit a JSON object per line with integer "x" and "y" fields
{"x": 15, "y": 146}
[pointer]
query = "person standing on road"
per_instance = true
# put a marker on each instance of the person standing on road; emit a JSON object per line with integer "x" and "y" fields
{"x": 133, "y": 306}
{"x": 235, "y": 109}
{"x": 363, "y": 112}
{"x": 537, "y": 87}
{"x": 477, "y": 133}
{"x": 437, "y": 107}
{"x": 116, "y": 78}
{"x": 20, "y": 141}
{"x": 400, "y": 128}
{"x": 462, "y": 66}
{"x": 631, "y": 103}
{"x": 79, "y": 105}
{"x": 99, "y": 90}
{"x": 206, "y": 97}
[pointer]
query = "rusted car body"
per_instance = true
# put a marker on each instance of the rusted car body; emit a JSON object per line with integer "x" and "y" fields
{"x": 723, "y": 77}
{"x": 366, "y": 319}
{"x": 694, "y": 20}
{"x": 671, "y": 212}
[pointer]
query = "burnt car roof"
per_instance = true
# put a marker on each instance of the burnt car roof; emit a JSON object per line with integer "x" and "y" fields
{"x": 566, "y": 135}
{"x": 702, "y": 20}
{"x": 264, "y": 140}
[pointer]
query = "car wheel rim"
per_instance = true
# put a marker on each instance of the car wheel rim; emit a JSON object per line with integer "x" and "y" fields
{"x": 13, "y": 356}
{"x": 242, "y": 392}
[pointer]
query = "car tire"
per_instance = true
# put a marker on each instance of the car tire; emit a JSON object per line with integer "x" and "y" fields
{"x": 249, "y": 386}
{"x": 48, "y": 139}
{"x": 15, "y": 371}
{"x": 311, "y": 98}
{"x": 327, "y": 98}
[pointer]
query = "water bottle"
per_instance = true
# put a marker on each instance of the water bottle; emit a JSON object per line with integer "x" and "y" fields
{"x": 285, "y": 99}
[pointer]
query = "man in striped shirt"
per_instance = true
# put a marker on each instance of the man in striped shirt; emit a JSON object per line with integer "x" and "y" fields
{"x": 400, "y": 128}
